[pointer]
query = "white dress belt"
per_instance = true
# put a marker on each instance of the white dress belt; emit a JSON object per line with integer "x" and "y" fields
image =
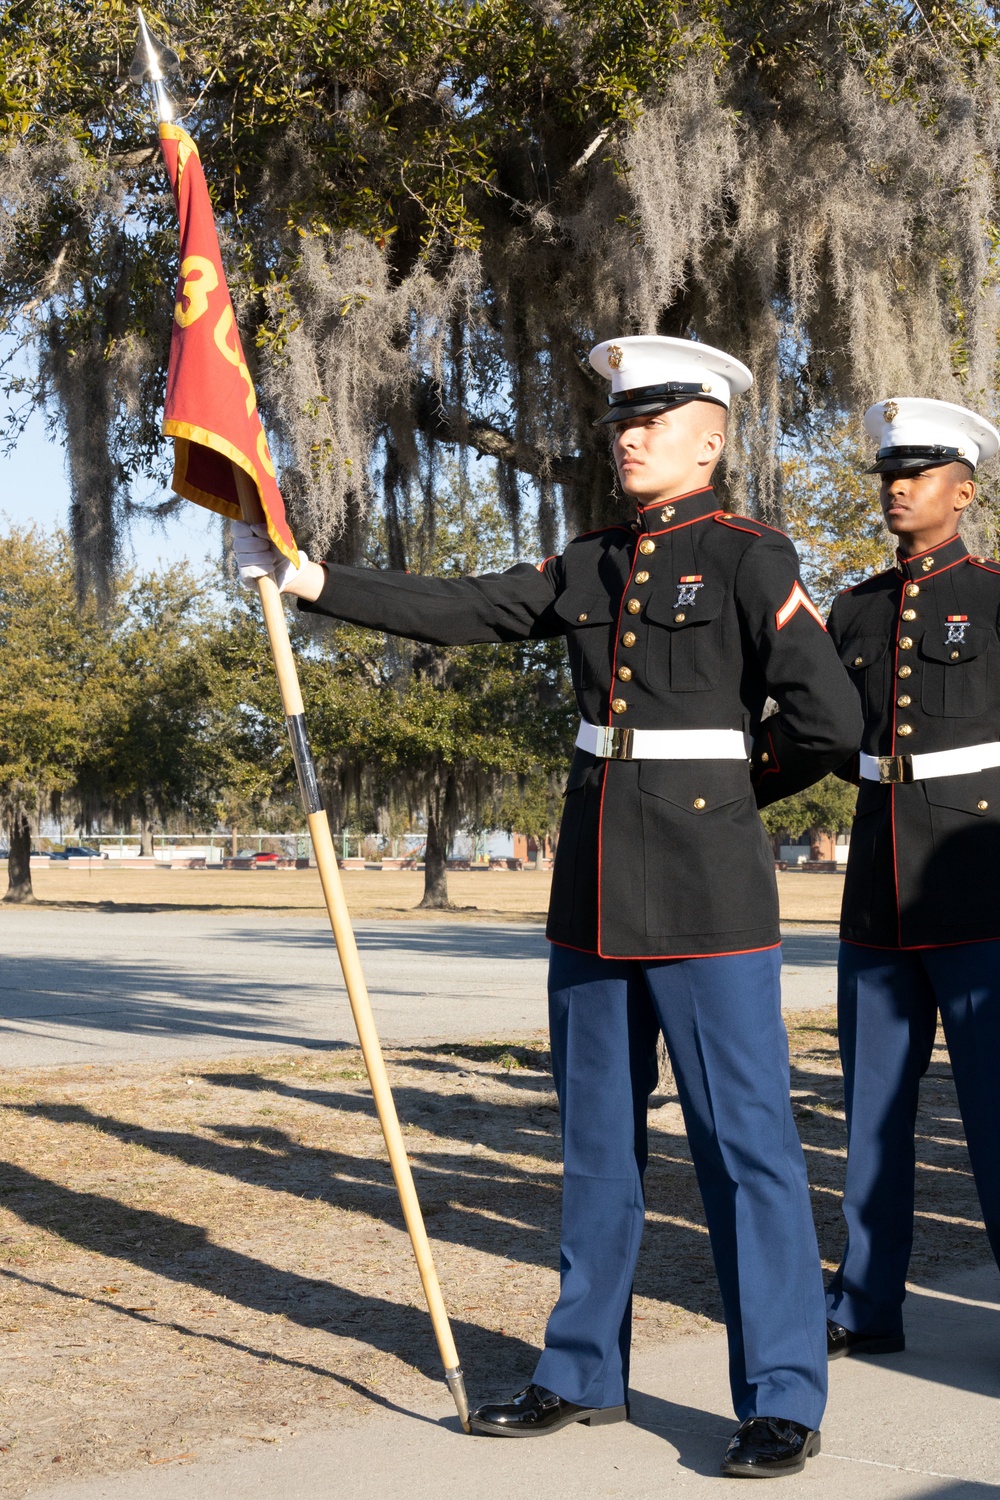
{"x": 661, "y": 744}
{"x": 906, "y": 768}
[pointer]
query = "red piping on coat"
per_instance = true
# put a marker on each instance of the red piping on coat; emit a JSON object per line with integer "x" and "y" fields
{"x": 726, "y": 518}
{"x": 892, "y": 789}
{"x": 705, "y": 489}
{"x": 652, "y": 958}
{"x": 604, "y": 778}
{"x": 916, "y": 556}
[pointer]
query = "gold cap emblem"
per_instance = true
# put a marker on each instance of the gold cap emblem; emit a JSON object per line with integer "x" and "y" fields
{"x": 615, "y": 355}
{"x": 890, "y": 411}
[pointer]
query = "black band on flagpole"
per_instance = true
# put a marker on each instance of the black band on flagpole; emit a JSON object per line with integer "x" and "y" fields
{"x": 305, "y": 766}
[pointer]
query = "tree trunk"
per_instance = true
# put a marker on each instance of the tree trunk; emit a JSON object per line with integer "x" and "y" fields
{"x": 145, "y": 837}
{"x": 435, "y": 868}
{"x": 19, "y": 861}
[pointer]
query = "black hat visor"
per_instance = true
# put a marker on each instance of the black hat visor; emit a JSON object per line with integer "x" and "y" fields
{"x": 896, "y": 460}
{"x": 647, "y": 400}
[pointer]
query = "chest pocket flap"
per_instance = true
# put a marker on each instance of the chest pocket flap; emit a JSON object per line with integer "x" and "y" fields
{"x": 933, "y": 646}
{"x": 662, "y": 606}
{"x": 860, "y": 651}
{"x": 581, "y": 608}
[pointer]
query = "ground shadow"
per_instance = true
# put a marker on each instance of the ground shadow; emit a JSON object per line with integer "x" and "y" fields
{"x": 182, "y": 1253}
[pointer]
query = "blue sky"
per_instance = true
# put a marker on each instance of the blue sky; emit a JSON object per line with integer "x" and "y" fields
{"x": 33, "y": 487}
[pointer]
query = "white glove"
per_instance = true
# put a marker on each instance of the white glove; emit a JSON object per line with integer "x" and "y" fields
{"x": 256, "y": 556}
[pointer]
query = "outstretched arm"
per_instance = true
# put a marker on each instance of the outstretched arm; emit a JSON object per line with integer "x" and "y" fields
{"x": 510, "y": 606}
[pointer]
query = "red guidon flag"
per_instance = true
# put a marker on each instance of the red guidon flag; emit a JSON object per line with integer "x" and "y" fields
{"x": 211, "y": 406}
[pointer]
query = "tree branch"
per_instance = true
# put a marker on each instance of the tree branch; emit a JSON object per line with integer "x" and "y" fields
{"x": 489, "y": 441}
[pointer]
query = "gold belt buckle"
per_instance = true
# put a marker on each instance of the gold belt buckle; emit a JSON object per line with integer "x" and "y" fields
{"x": 895, "y": 768}
{"x": 621, "y": 744}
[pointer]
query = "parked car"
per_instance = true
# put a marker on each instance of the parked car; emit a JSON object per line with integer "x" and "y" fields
{"x": 78, "y": 851}
{"x": 251, "y": 859}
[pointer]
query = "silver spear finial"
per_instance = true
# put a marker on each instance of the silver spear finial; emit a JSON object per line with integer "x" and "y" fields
{"x": 152, "y": 61}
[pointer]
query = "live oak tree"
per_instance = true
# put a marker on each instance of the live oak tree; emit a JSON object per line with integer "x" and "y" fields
{"x": 430, "y": 213}
{"x": 827, "y": 807}
{"x": 149, "y": 752}
{"x": 49, "y": 652}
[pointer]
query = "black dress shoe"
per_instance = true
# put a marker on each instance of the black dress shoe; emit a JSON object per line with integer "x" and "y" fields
{"x": 535, "y": 1411}
{"x": 841, "y": 1341}
{"x": 767, "y": 1447}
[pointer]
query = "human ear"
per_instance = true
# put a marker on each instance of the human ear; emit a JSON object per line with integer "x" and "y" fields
{"x": 712, "y": 446}
{"x": 965, "y": 494}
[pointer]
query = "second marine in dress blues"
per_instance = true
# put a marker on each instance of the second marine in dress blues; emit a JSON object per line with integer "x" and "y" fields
{"x": 921, "y": 917}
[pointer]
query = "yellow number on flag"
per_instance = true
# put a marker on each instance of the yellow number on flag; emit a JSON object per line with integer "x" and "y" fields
{"x": 223, "y": 328}
{"x": 199, "y": 277}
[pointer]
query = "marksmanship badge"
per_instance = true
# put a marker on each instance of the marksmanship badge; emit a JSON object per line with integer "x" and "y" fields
{"x": 957, "y": 626}
{"x": 687, "y": 589}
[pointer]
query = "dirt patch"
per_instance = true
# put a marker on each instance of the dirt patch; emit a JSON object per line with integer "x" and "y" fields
{"x": 501, "y": 895}
{"x": 477, "y": 895}
{"x": 207, "y": 1257}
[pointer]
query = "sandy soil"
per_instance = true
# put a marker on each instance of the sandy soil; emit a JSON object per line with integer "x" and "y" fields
{"x": 499, "y": 895}
{"x": 207, "y": 1257}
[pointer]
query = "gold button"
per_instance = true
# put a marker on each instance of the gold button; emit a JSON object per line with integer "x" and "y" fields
{"x": 679, "y": 619}
{"x": 628, "y": 639}
{"x": 699, "y": 803}
{"x": 909, "y": 614}
{"x": 633, "y": 606}
{"x": 912, "y": 590}
{"x": 983, "y": 805}
{"x": 904, "y": 700}
{"x": 582, "y": 617}
{"x": 904, "y": 672}
{"x": 904, "y": 728}
{"x": 618, "y": 705}
{"x": 625, "y": 673}
{"x": 859, "y": 661}
{"x": 955, "y": 655}
{"x": 641, "y": 578}
{"x": 668, "y": 514}
{"x": 765, "y": 758}
{"x": 927, "y": 564}
{"x": 647, "y": 545}
{"x": 905, "y": 643}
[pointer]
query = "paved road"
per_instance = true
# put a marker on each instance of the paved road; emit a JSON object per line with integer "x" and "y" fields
{"x": 120, "y": 986}
{"x": 915, "y": 1426}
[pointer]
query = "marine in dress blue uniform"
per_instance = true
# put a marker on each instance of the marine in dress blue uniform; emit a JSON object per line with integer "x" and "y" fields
{"x": 921, "y": 917}
{"x": 681, "y": 622}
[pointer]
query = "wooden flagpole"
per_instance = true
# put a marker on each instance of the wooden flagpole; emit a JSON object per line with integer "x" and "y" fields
{"x": 147, "y": 65}
{"x": 350, "y": 963}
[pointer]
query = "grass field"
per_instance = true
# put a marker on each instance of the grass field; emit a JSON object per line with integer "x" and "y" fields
{"x": 498, "y": 895}
{"x": 202, "y": 1257}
